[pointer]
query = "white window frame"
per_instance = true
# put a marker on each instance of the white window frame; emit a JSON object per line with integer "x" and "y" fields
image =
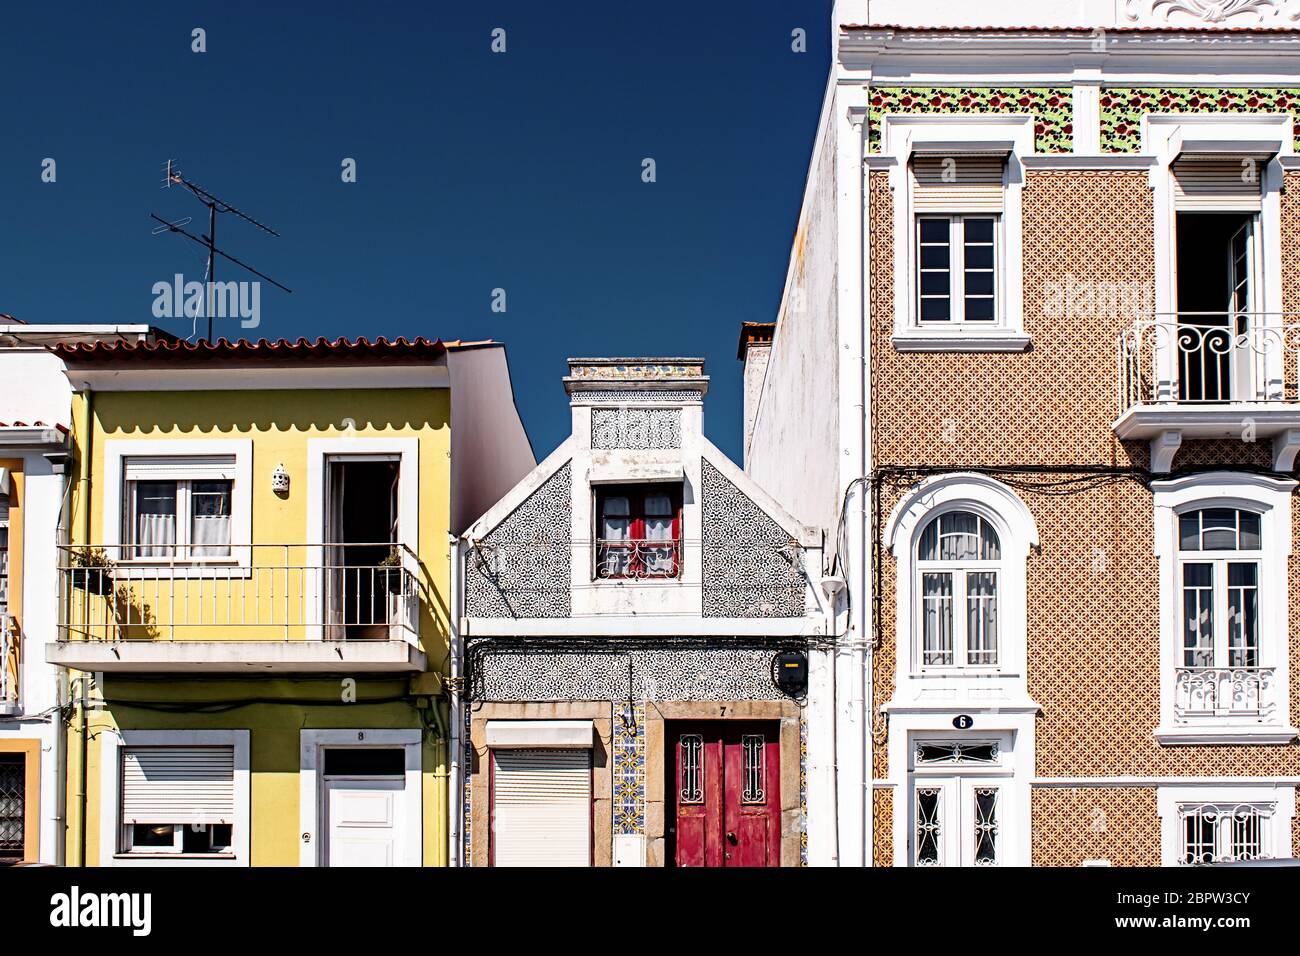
{"x": 957, "y": 272}
{"x": 1017, "y": 534}
{"x": 1163, "y": 136}
{"x": 1271, "y": 499}
{"x": 110, "y": 783}
{"x": 311, "y": 768}
{"x": 1276, "y": 828}
{"x": 902, "y": 134}
{"x": 117, "y": 451}
{"x": 959, "y": 572}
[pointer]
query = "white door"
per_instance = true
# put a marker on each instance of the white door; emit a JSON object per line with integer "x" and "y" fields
{"x": 366, "y": 820}
{"x": 957, "y": 821}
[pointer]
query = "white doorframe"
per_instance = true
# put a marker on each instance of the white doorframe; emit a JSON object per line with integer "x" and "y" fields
{"x": 311, "y": 791}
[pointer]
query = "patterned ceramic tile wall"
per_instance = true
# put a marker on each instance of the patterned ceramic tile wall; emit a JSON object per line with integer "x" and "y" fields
{"x": 1052, "y": 108}
{"x": 1119, "y": 824}
{"x": 1122, "y": 109}
{"x": 629, "y": 768}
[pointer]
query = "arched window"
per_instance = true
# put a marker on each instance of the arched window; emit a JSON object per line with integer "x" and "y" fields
{"x": 958, "y": 566}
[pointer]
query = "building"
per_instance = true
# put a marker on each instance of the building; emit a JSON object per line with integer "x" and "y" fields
{"x": 1037, "y": 357}
{"x": 642, "y": 632}
{"x": 35, "y": 415}
{"x": 254, "y": 598}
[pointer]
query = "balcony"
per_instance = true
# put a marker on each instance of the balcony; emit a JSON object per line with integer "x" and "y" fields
{"x": 1204, "y": 375}
{"x": 11, "y": 647}
{"x": 1235, "y": 694}
{"x": 292, "y": 608}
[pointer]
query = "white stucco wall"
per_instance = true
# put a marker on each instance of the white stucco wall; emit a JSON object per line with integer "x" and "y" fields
{"x": 792, "y": 453}
{"x": 33, "y": 388}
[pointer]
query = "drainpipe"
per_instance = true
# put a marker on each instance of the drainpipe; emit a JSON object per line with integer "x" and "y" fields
{"x": 83, "y": 468}
{"x": 455, "y": 787}
{"x": 866, "y": 581}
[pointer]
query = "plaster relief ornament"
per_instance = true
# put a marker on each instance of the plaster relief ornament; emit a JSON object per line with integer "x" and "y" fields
{"x": 1193, "y": 13}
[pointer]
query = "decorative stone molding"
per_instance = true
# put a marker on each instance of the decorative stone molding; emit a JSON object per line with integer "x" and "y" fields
{"x": 1202, "y": 13}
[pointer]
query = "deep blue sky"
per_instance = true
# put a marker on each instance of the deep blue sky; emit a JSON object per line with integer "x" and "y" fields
{"x": 476, "y": 170}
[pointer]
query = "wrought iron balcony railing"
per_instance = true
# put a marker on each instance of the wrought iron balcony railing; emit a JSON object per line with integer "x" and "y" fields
{"x": 638, "y": 558}
{"x": 257, "y": 592}
{"x": 1207, "y": 358}
{"x": 1240, "y": 693}
{"x": 11, "y": 648}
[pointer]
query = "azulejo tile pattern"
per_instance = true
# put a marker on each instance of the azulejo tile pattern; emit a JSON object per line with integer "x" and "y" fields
{"x": 636, "y": 428}
{"x": 505, "y": 673}
{"x": 752, "y": 567}
{"x": 629, "y": 768}
{"x": 803, "y": 790}
{"x": 1052, "y": 108}
{"x": 521, "y": 568}
{"x": 1119, "y": 824}
{"x": 1122, "y": 109}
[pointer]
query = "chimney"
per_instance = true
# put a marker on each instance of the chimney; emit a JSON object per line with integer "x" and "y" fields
{"x": 755, "y": 349}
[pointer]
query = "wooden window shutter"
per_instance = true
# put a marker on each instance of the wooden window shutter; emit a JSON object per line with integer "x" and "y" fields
{"x": 178, "y": 785}
{"x": 1218, "y": 183}
{"x": 960, "y": 183}
{"x": 541, "y": 807}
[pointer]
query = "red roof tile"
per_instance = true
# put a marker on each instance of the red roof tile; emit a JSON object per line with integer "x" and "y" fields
{"x": 281, "y": 351}
{"x": 61, "y": 428}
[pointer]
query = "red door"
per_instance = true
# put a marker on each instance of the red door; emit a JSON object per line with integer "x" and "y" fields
{"x": 725, "y": 782}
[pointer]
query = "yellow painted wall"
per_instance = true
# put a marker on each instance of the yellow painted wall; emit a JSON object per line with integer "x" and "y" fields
{"x": 279, "y": 423}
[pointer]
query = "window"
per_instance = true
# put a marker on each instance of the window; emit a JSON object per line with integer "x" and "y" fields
{"x": 639, "y": 530}
{"x": 1224, "y": 833}
{"x": 1223, "y": 540}
{"x": 957, "y": 269}
{"x": 177, "y": 800}
{"x": 177, "y": 508}
{"x": 958, "y": 565}
{"x": 1219, "y": 559}
{"x": 13, "y": 807}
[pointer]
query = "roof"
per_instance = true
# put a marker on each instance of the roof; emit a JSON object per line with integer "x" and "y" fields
{"x": 752, "y": 333}
{"x": 62, "y": 428}
{"x": 1199, "y": 31}
{"x": 277, "y": 352}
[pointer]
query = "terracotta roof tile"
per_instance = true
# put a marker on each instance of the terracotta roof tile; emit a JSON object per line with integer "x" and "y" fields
{"x": 280, "y": 351}
{"x": 751, "y": 332}
{"x": 61, "y": 428}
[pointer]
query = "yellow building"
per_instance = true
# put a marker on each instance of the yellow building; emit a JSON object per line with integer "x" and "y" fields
{"x": 254, "y": 599}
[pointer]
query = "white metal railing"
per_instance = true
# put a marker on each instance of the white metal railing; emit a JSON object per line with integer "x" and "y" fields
{"x": 638, "y": 558}
{"x": 11, "y": 646}
{"x": 1209, "y": 358}
{"x": 350, "y": 591}
{"x": 1224, "y": 692}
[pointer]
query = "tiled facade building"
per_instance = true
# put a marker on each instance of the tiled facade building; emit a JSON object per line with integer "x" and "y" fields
{"x": 1045, "y": 270}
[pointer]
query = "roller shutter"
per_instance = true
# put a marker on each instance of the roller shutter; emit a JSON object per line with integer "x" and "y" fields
{"x": 1218, "y": 183}
{"x": 541, "y": 807}
{"x": 178, "y": 785}
{"x": 961, "y": 183}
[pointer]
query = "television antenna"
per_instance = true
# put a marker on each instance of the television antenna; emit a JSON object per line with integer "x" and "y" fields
{"x": 172, "y": 176}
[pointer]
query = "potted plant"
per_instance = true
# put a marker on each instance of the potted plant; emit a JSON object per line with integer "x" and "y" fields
{"x": 92, "y": 570}
{"x": 390, "y": 571}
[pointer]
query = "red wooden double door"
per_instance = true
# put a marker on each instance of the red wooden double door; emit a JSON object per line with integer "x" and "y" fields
{"x": 724, "y": 782}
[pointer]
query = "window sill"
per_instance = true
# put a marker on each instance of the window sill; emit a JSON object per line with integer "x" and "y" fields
{"x": 174, "y": 856}
{"x": 1226, "y": 734}
{"x": 960, "y": 340}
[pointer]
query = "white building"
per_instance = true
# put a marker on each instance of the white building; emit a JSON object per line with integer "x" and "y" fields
{"x": 642, "y": 633}
{"x": 35, "y": 411}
